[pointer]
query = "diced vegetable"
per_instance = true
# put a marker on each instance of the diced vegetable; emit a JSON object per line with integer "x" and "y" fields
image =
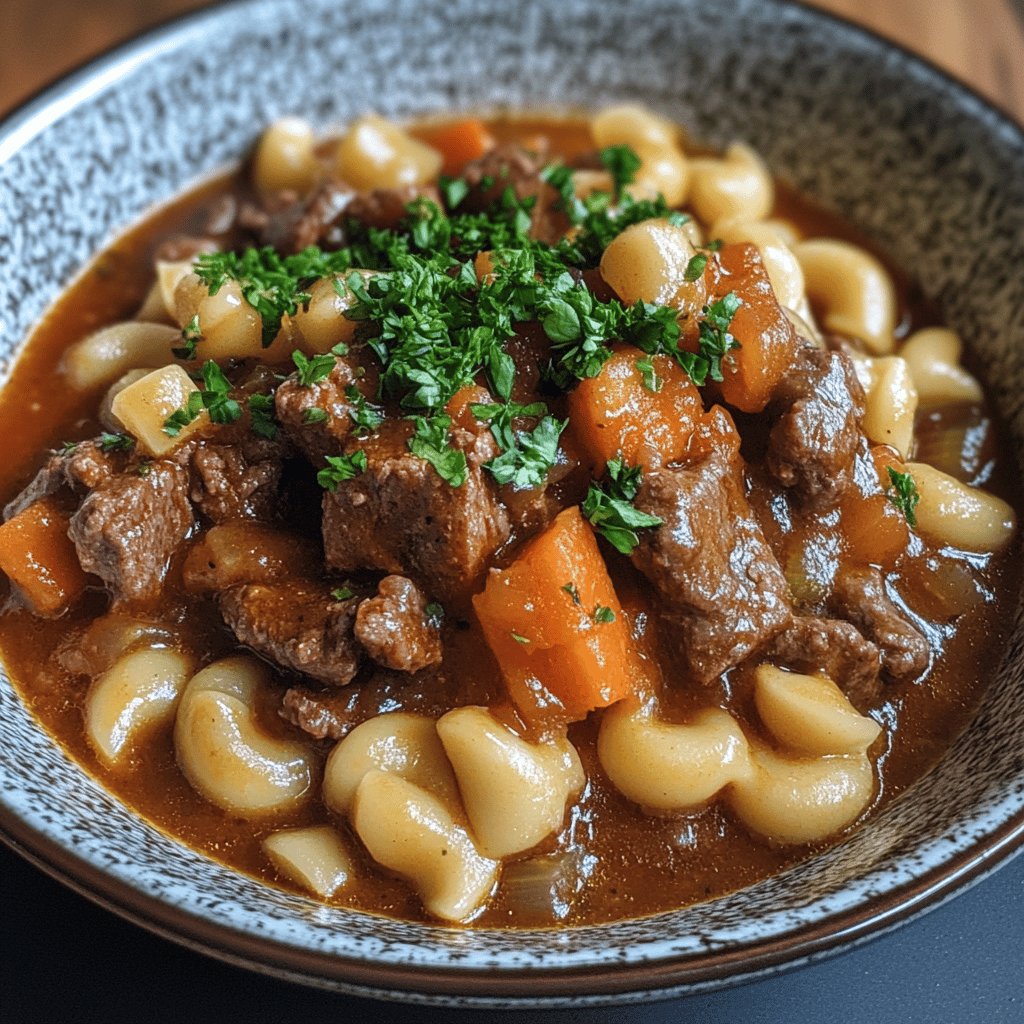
{"x": 458, "y": 142}
{"x": 145, "y": 406}
{"x": 458, "y": 406}
{"x": 39, "y": 558}
{"x": 557, "y": 629}
{"x": 642, "y": 406}
{"x": 875, "y": 531}
{"x": 767, "y": 340}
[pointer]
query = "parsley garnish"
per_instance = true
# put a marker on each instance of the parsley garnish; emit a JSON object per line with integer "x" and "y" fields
{"x": 310, "y": 371}
{"x": 603, "y": 615}
{"x": 610, "y": 510}
{"x": 144, "y": 468}
{"x": 431, "y": 442}
{"x": 367, "y": 418}
{"x": 650, "y": 375}
{"x": 696, "y": 266}
{"x": 221, "y": 408}
{"x": 453, "y": 190}
{"x": 315, "y": 415}
{"x": 519, "y": 638}
{"x": 902, "y": 492}
{"x": 181, "y": 418}
{"x": 67, "y": 447}
{"x": 191, "y": 335}
{"x": 622, "y": 163}
{"x": 116, "y": 442}
{"x": 570, "y": 589}
{"x": 715, "y": 341}
{"x": 526, "y": 456}
{"x": 343, "y": 593}
{"x": 340, "y": 468}
{"x": 261, "y": 415}
{"x": 435, "y": 614}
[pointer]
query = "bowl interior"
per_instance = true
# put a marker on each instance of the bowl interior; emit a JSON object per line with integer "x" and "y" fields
{"x": 920, "y": 164}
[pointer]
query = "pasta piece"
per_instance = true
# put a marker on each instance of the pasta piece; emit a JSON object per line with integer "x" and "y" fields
{"x": 322, "y": 324}
{"x": 772, "y": 241}
{"x": 663, "y": 766}
{"x": 412, "y": 832}
{"x": 514, "y": 792}
{"x": 402, "y": 743}
{"x": 663, "y": 172}
{"x": 810, "y": 714}
{"x": 378, "y": 154}
{"x": 112, "y": 635}
{"x": 891, "y": 404}
{"x": 933, "y": 358}
{"x": 647, "y": 262}
{"x": 107, "y": 418}
{"x": 850, "y": 291}
{"x": 102, "y": 357}
{"x": 314, "y": 858}
{"x": 628, "y": 124}
{"x": 139, "y": 691}
{"x": 230, "y": 327}
{"x": 285, "y": 157}
{"x": 737, "y": 185}
{"x": 954, "y": 513}
{"x": 224, "y": 752}
{"x": 169, "y": 274}
{"x": 802, "y": 800}
{"x": 144, "y": 406}
{"x": 153, "y": 309}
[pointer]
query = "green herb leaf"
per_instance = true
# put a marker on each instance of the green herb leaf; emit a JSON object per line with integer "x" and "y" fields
{"x": 343, "y": 593}
{"x": 519, "y": 638}
{"x": 453, "y": 190}
{"x": 366, "y": 417}
{"x": 696, "y": 266}
{"x": 431, "y": 442}
{"x": 261, "y": 415}
{"x": 623, "y": 163}
{"x": 340, "y": 468}
{"x": 215, "y": 395}
{"x": 570, "y": 589}
{"x": 526, "y": 463}
{"x": 603, "y": 615}
{"x": 315, "y": 414}
{"x": 191, "y": 335}
{"x": 715, "y": 341}
{"x": 435, "y": 614}
{"x": 610, "y": 511}
{"x": 649, "y": 375}
{"x": 182, "y": 417}
{"x": 116, "y": 442}
{"x": 312, "y": 370}
{"x": 902, "y": 492}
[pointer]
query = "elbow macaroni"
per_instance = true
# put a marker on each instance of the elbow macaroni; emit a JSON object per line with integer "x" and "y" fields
{"x": 736, "y": 186}
{"x": 933, "y": 359}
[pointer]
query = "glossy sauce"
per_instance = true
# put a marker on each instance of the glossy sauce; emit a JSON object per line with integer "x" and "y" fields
{"x": 634, "y": 864}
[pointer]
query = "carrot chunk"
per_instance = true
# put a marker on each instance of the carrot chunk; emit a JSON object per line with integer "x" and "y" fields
{"x": 642, "y": 406}
{"x": 459, "y": 142}
{"x": 557, "y": 629}
{"x": 39, "y": 558}
{"x": 875, "y": 531}
{"x": 768, "y": 342}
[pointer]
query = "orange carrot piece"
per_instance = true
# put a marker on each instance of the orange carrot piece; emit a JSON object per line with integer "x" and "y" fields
{"x": 768, "y": 342}
{"x": 39, "y": 558}
{"x": 874, "y": 530}
{"x": 458, "y": 406}
{"x": 459, "y": 142}
{"x": 557, "y": 629}
{"x": 616, "y": 412}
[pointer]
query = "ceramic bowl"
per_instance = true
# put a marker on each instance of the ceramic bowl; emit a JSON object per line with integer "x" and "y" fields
{"x": 917, "y": 161}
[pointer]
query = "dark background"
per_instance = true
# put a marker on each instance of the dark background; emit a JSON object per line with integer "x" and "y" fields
{"x": 64, "y": 960}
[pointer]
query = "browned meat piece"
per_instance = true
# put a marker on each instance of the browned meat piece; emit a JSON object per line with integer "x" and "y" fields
{"x": 183, "y": 247}
{"x": 291, "y": 225}
{"x": 399, "y": 516}
{"x": 721, "y": 589}
{"x": 385, "y": 207}
{"x": 506, "y": 165}
{"x": 861, "y": 598}
{"x": 82, "y": 467}
{"x": 129, "y": 527}
{"x": 237, "y": 481}
{"x": 245, "y": 552}
{"x": 395, "y": 629}
{"x": 814, "y": 442}
{"x": 321, "y": 714}
{"x": 834, "y": 648}
{"x": 296, "y": 624}
{"x": 293, "y": 402}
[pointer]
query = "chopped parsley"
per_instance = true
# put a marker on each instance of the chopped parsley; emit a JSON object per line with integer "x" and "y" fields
{"x": 519, "y": 638}
{"x": 902, "y": 492}
{"x": 191, "y": 335}
{"x": 342, "y": 593}
{"x": 181, "y": 418}
{"x": 610, "y": 510}
{"x": 116, "y": 442}
{"x": 431, "y": 442}
{"x": 315, "y": 414}
{"x": 366, "y": 417}
{"x": 453, "y": 190}
{"x": 261, "y": 415}
{"x": 312, "y": 370}
{"x": 435, "y": 614}
{"x": 340, "y": 468}
{"x": 715, "y": 341}
{"x": 695, "y": 268}
{"x": 649, "y": 375}
{"x": 622, "y": 163}
{"x": 570, "y": 589}
{"x": 526, "y": 456}
{"x": 603, "y": 615}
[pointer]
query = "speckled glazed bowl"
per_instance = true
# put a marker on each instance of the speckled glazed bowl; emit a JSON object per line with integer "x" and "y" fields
{"x": 917, "y": 161}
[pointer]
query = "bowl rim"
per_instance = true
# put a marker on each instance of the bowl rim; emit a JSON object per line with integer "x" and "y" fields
{"x": 616, "y": 983}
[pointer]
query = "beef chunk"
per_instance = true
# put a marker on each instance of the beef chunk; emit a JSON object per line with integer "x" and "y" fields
{"x": 82, "y": 467}
{"x": 385, "y": 207}
{"x": 812, "y": 445}
{"x": 722, "y": 591}
{"x": 861, "y": 598}
{"x": 130, "y": 525}
{"x": 399, "y": 516}
{"x": 296, "y": 624}
{"x": 321, "y": 714}
{"x": 395, "y": 629}
{"x": 291, "y": 225}
{"x": 237, "y": 481}
{"x": 506, "y": 165}
{"x": 834, "y": 648}
{"x": 293, "y": 401}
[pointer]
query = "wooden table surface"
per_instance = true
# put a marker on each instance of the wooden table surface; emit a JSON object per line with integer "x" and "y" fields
{"x": 979, "y": 41}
